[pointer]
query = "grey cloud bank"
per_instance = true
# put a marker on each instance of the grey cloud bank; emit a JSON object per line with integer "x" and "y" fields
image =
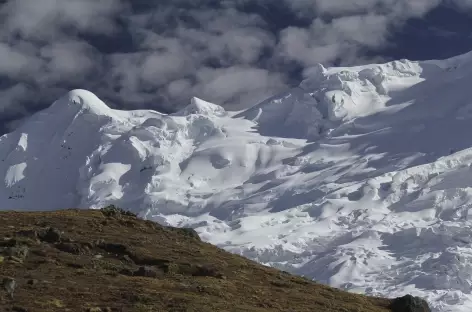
{"x": 135, "y": 54}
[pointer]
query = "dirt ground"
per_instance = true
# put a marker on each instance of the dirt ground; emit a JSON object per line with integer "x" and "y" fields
{"x": 109, "y": 260}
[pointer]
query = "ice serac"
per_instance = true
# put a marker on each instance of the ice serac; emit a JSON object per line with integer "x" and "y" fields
{"x": 359, "y": 177}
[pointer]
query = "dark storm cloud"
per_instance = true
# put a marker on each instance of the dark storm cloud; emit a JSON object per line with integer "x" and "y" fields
{"x": 135, "y": 54}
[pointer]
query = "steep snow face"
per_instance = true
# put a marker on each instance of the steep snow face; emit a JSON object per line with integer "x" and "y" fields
{"x": 40, "y": 160}
{"x": 358, "y": 178}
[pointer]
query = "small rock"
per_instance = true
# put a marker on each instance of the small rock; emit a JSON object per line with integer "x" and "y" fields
{"x": 98, "y": 256}
{"x": 19, "y": 309}
{"x": 127, "y": 259}
{"x": 32, "y": 282}
{"x": 146, "y": 272}
{"x": 16, "y": 260}
{"x": 95, "y": 309}
{"x": 113, "y": 248}
{"x": 72, "y": 248}
{"x": 18, "y": 254}
{"x": 97, "y": 242}
{"x": 409, "y": 303}
{"x": 9, "y": 285}
{"x": 51, "y": 235}
{"x": 75, "y": 265}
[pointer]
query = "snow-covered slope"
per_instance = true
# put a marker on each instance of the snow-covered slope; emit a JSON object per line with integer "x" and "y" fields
{"x": 359, "y": 178}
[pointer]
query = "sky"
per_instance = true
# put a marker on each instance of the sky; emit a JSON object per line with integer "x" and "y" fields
{"x": 138, "y": 54}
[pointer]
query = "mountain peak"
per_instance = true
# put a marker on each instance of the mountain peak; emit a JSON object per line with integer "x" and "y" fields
{"x": 201, "y": 107}
{"x": 80, "y": 100}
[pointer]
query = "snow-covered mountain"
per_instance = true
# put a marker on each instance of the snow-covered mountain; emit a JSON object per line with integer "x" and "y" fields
{"x": 359, "y": 178}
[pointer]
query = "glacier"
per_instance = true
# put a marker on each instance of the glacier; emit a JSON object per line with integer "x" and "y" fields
{"x": 359, "y": 178}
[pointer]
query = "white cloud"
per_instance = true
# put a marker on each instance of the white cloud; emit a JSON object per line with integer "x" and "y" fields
{"x": 45, "y": 19}
{"x": 227, "y": 51}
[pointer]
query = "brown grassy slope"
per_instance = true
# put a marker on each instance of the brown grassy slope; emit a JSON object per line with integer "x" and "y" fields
{"x": 89, "y": 260}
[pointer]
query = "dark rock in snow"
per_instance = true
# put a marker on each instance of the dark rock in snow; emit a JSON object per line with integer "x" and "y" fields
{"x": 409, "y": 303}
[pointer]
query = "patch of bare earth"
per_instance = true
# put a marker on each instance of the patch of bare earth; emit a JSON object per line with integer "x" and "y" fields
{"x": 109, "y": 260}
